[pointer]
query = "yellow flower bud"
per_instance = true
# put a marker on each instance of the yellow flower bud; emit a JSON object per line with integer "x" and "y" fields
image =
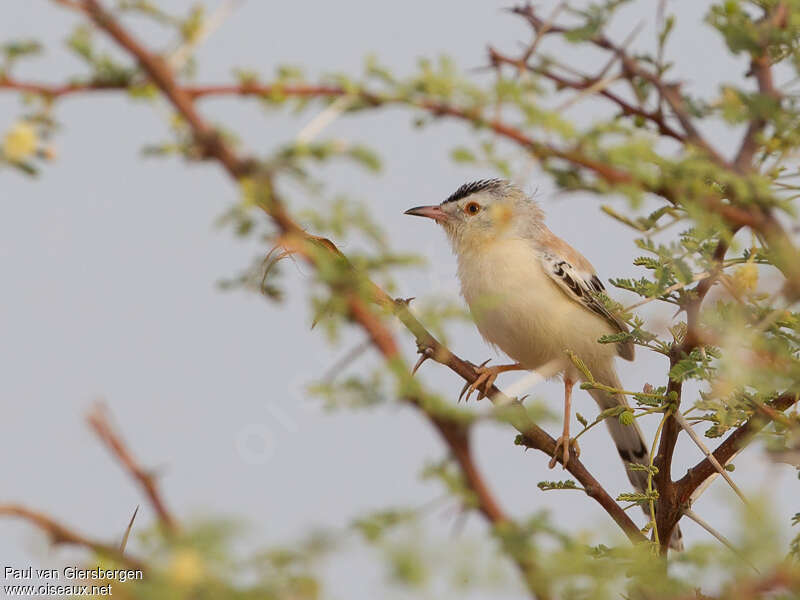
{"x": 186, "y": 567}
{"x": 20, "y": 142}
{"x": 746, "y": 277}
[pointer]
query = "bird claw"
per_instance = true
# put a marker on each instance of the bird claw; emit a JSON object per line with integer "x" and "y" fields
{"x": 565, "y": 443}
{"x": 483, "y": 382}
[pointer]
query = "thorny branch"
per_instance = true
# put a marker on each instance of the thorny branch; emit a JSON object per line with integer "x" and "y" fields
{"x": 632, "y": 69}
{"x": 744, "y": 215}
{"x": 100, "y": 424}
{"x": 760, "y": 68}
{"x": 60, "y": 534}
{"x": 497, "y": 58}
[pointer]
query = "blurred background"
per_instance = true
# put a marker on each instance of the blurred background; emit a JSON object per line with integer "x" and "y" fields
{"x": 110, "y": 263}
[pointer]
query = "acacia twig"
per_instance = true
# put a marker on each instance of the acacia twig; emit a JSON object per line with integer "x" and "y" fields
{"x": 760, "y": 68}
{"x": 631, "y": 67}
{"x": 704, "y": 449}
{"x": 61, "y": 534}
{"x": 725, "y": 541}
{"x": 99, "y": 422}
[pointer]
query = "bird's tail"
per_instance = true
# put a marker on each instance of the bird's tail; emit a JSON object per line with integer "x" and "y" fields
{"x": 629, "y": 439}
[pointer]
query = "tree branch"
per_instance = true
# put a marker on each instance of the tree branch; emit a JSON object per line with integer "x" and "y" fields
{"x": 748, "y": 215}
{"x": 631, "y": 68}
{"x": 60, "y": 534}
{"x": 760, "y": 68}
{"x": 532, "y": 436}
{"x": 655, "y": 117}
{"x": 98, "y": 421}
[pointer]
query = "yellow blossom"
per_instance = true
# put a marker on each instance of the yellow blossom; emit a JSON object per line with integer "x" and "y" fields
{"x": 20, "y": 142}
{"x": 186, "y": 567}
{"x": 746, "y": 277}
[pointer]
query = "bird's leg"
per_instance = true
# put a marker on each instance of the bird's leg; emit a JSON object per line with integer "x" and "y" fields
{"x": 564, "y": 443}
{"x": 486, "y": 378}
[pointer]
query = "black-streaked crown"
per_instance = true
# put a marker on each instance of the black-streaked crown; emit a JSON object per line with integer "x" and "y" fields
{"x": 494, "y": 185}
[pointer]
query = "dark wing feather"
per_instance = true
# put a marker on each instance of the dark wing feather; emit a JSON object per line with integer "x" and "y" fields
{"x": 583, "y": 287}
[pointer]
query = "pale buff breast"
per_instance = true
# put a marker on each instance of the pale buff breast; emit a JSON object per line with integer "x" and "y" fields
{"x": 519, "y": 309}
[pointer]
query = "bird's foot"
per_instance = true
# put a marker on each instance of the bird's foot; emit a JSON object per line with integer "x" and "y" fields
{"x": 564, "y": 443}
{"x": 483, "y": 382}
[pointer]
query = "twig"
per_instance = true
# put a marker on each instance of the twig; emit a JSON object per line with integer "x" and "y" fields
{"x": 725, "y": 541}
{"x": 760, "y": 68}
{"x": 597, "y": 87}
{"x": 548, "y": 23}
{"x": 345, "y": 361}
{"x": 670, "y": 92}
{"x": 624, "y": 46}
{"x": 328, "y": 115}
{"x": 626, "y": 107}
{"x": 98, "y": 421}
{"x": 60, "y": 534}
{"x": 673, "y": 288}
{"x": 181, "y": 54}
{"x": 720, "y": 469}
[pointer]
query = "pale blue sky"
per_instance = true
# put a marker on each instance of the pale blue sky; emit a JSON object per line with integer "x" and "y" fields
{"x": 109, "y": 263}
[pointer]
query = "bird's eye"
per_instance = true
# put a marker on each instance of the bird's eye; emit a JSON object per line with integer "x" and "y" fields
{"x": 472, "y": 208}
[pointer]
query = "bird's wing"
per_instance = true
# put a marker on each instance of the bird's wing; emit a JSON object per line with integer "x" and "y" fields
{"x": 577, "y": 279}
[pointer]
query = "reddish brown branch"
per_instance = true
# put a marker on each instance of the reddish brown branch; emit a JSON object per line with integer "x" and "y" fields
{"x": 655, "y": 117}
{"x": 60, "y": 534}
{"x": 669, "y": 506}
{"x": 631, "y": 69}
{"x": 515, "y": 413}
{"x": 457, "y": 438}
{"x": 98, "y": 421}
{"x": 158, "y": 70}
{"x": 750, "y": 216}
{"x": 760, "y": 68}
{"x": 540, "y": 150}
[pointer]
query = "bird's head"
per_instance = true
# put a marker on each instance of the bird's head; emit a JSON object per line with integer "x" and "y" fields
{"x": 482, "y": 211}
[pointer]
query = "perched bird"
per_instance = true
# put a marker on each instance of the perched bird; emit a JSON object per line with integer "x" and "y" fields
{"x": 535, "y": 297}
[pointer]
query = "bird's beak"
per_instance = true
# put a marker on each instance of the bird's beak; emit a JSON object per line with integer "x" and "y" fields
{"x": 431, "y": 212}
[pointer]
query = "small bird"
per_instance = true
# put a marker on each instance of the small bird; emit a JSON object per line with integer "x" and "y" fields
{"x": 535, "y": 297}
